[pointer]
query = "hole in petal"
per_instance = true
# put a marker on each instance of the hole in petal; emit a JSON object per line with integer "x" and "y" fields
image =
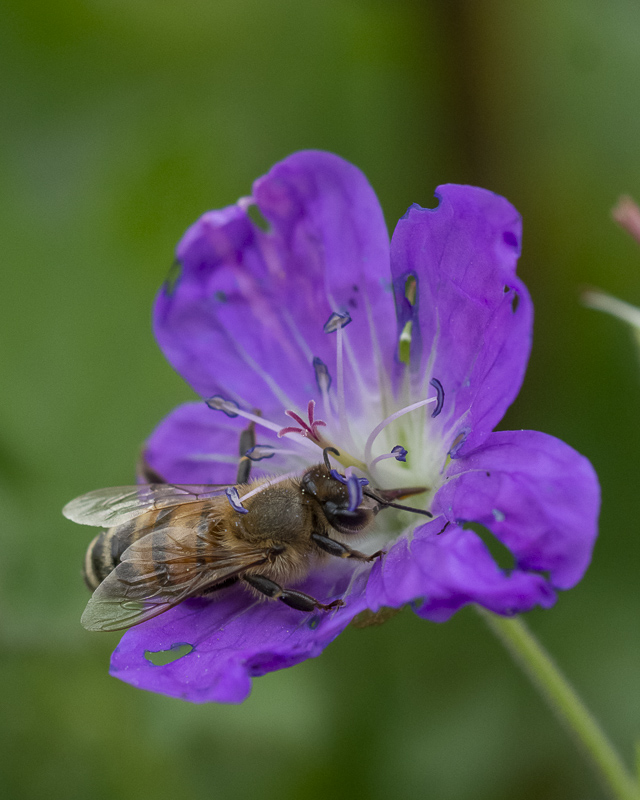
{"x": 411, "y": 289}
{"x": 510, "y": 238}
{"x": 255, "y": 215}
{"x": 221, "y": 297}
{"x": 515, "y": 302}
{"x": 367, "y": 618}
{"x": 160, "y": 658}
{"x": 500, "y": 554}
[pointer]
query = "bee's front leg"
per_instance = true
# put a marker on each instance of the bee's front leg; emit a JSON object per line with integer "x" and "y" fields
{"x": 297, "y": 600}
{"x": 247, "y": 441}
{"x": 340, "y": 550}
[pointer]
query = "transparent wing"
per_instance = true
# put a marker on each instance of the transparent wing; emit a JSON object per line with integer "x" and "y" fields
{"x": 140, "y": 588}
{"x": 109, "y": 507}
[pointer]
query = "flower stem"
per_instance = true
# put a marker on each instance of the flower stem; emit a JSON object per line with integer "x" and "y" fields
{"x": 545, "y": 675}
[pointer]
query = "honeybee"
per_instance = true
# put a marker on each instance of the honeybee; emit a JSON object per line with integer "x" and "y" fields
{"x": 165, "y": 543}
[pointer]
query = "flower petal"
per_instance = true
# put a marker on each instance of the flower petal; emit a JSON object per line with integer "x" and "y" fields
{"x": 245, "y": 318}
{"x": 472, "y": 318}
{"x": 536, "y": 494}
{"x": 441, "y": 571}
{"x": 235, "y": 639}
{"x": 195, "y": 444}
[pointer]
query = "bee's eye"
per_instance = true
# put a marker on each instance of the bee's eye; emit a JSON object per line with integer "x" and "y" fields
{"x": 344, "y": 520}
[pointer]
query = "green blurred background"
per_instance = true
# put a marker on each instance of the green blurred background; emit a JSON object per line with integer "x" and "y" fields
{"x": 121, "y": 122}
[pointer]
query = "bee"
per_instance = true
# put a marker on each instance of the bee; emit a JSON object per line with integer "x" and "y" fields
{"x": 165, "y": 543}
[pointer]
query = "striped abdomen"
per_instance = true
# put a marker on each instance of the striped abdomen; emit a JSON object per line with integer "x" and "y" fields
{"x": 106, "y": 550}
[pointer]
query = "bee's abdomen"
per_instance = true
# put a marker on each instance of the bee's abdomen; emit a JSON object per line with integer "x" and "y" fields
{"x": 105, "y": 551}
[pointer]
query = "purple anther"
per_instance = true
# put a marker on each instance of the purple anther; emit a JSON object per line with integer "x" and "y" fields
{"x": 440, "y": 392}
{"x": 354, "y": 486}
{"x": 399, "y": 452}
{"x": 218, "y": 403}
{"x": 323, "y": 379}
{"x": 337, "y": 320}
{"x": 234, "y": 500}
{"x": 260, "y": 451}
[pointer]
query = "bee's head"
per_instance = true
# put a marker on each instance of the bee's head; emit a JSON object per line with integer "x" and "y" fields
{"x": 348, "y": 507}
{"x": 332, "y": 495}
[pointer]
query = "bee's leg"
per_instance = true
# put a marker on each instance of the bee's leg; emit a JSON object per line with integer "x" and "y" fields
{"x": 298, "y": 600}
{"x": 145, "y": 473}
{"x": 247, "y": 441}
{"x": 341, "y": 550}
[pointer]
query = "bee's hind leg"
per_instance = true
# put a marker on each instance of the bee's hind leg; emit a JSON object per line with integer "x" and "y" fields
{"x": 145, "y": 473}
{"x": 297, "y": 600}
{"x": 247, "y": 441}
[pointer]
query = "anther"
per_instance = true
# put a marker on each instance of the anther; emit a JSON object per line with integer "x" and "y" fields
{"x": 218, "y": 403}
{"x": 398, "y": 452}
{"x": 323, "y": 379}
{"x": 354, "y": 486}
{"x": 440, "y": 392}
{"x": 234, "y": 500}
{"x": 337, "y": 320}
{"x": 260, "y": 451}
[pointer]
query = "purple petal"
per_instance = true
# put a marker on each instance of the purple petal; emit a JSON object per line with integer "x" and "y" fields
{"x": 235, "y": 638}
{"x": 195, "y": 444}
{"x": 463, "y": 255}
{"x": 536, "y": 494}
{"x": 441, "y": 572}
{"x": 245, "y": 319}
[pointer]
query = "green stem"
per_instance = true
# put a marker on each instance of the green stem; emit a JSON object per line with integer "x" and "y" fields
{"x": 545, "y": 675}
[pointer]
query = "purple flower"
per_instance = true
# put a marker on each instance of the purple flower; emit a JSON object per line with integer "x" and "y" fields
{"x": 412, "y": 352}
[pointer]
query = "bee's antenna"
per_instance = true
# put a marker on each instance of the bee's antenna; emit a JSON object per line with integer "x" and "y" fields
{"x": 389, "y": 504}
{"x": 325, "y": 455}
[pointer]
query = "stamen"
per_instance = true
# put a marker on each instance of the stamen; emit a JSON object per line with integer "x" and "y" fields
{"x": 234, "y": 500}
{"x": 342, "y": 405}
{"x": 323, "y": 379}
{"x": 268, "y": 483}
{"x": 379, "y": 428}
{"x": 440, "y": 391}
{"x": 309, "y": 430}
{"x": 398, "y": 452}
{"x": 218, "y": 458}
{"x": 336, "y": 322}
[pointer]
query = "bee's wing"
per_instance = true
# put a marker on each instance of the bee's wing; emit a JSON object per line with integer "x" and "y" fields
{"x": 138, "y": 589}
{"x": 109, "y": 507}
